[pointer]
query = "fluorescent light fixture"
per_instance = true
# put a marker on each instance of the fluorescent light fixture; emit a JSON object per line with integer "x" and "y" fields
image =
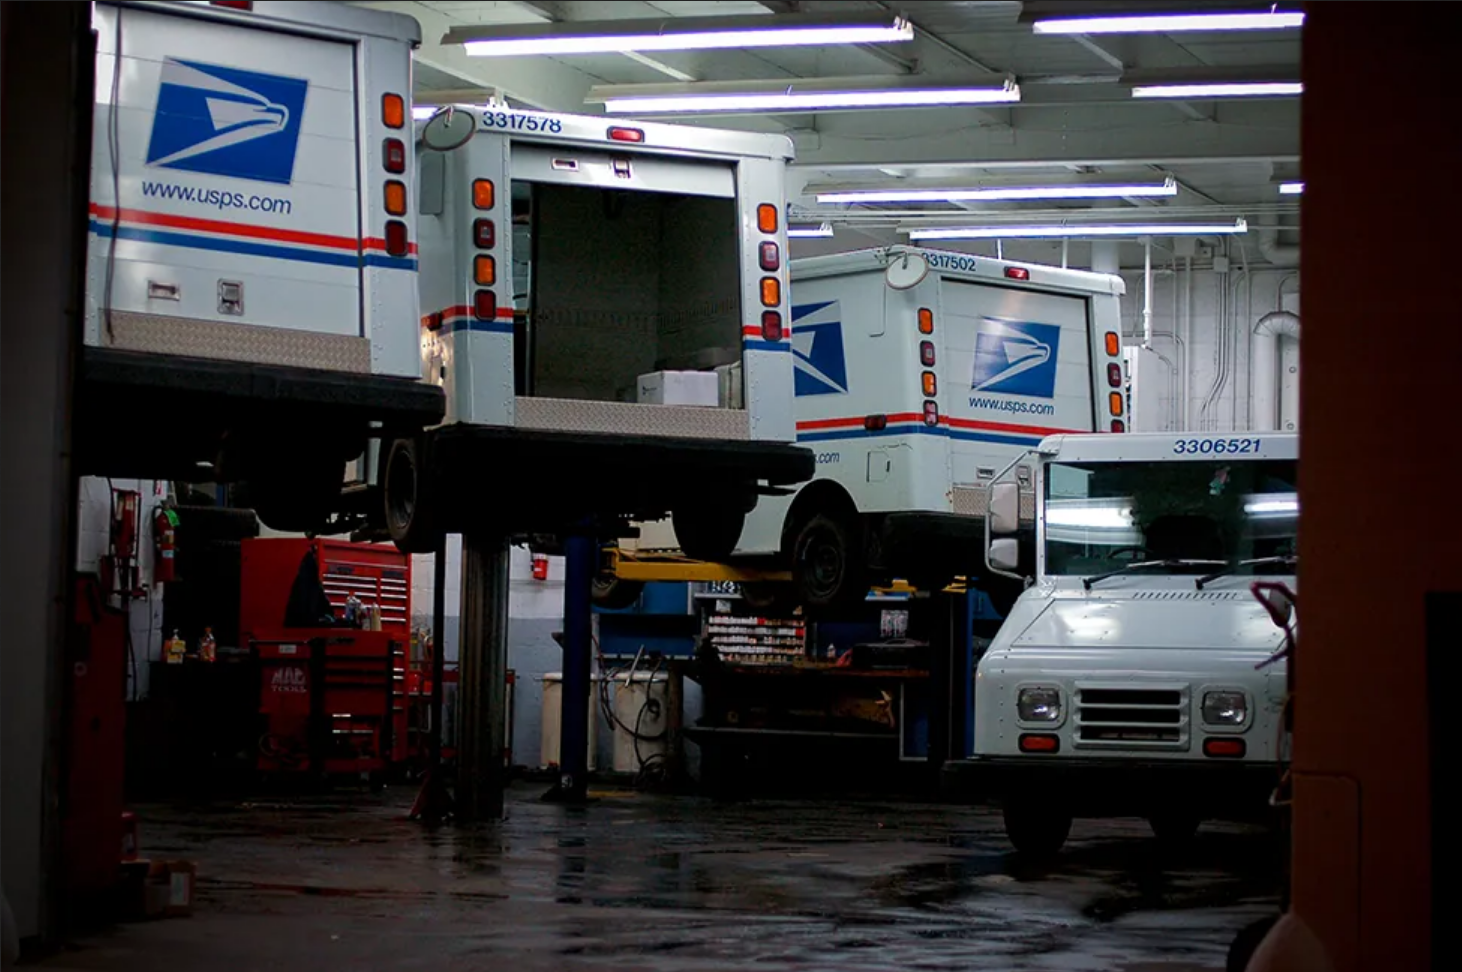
{"x": 1291, "y": 188}
{"x": 808, "y": 231}
{"x": 1272, "y": 507}
{"x": 1227, "y": 89}
{"x": 1090, "y": 517}
{"x": 678, "y": 34}
{"x": 1168, "y": 187}
{"x": 1171, "y": 23}
{"x": 1068, "y": 232}
{"x": 793, "y": 100}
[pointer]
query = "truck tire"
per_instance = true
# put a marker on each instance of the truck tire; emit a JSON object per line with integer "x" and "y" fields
{"x": 406, "y": 496}
{"x": 709, "y": 532}
{"x": 612, "y": 594}
{"x": 1036, "y": 831}
{"x": 828, "y": 566}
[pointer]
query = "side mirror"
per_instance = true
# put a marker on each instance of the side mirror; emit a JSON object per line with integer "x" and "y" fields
{"x": 1005, "y": 554}
{"x": 1004, "y": 509}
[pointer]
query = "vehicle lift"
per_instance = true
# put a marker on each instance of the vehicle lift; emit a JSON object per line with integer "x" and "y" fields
{"x": 482, "y": 653}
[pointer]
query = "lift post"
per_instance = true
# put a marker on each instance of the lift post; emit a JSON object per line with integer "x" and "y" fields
{"x": 581, "y": 561}
{"x": 434, "y": 803}
{"x": 482, "y": 693}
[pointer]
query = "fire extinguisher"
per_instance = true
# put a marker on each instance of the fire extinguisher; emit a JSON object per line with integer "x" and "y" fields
{"x": 165, "y": 546}
{"x": 540, "y": 567}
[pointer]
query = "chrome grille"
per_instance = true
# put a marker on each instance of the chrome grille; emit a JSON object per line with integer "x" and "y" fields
{"x": 1132, "y": 717}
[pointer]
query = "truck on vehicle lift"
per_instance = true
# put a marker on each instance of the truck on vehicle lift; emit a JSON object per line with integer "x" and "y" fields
{"x": 918, "y": 374}
{"x": 1129, "y": 679}
{"x": 605, "y": 307}
{"x": 250, "y": 295}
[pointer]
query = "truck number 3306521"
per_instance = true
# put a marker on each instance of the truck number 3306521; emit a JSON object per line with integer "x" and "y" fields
{"x": 1215, "y": 447}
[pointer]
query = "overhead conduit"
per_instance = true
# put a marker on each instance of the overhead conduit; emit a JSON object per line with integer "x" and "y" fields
{"x": 1269, "y": 331}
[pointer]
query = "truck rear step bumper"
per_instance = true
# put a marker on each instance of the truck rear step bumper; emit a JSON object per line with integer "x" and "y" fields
{"x": 527, "y": 479}
{"x": 138, "y": 413}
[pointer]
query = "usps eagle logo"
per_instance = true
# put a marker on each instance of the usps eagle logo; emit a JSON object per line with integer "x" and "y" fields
{"x": 820, "y": 365}
{"x": 223, "y": 121}
{"x": 1016, "y": 358}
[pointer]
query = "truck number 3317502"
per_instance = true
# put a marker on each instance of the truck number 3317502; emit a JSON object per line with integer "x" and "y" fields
{"x": 1215, "y": 447}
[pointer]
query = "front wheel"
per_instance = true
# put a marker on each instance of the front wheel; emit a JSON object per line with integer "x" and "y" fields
{"x": 1036, "y": 831}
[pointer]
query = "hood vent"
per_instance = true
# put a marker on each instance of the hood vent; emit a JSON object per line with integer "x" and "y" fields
{"x": 1190, "y": 596}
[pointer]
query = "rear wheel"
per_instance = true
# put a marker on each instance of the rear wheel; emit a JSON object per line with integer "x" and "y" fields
{"x": 407, "y": 497}
{"x": 613, "y": 594}
{"x": 709, "y": 531}
{"x": 828, "y": 566}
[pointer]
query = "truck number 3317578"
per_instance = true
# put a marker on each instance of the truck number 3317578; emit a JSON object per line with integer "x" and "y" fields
{"x": 1215, "y": 447}
{"x": 521, "y": 123}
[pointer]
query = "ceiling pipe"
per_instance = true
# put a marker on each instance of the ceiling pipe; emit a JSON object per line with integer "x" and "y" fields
{"x": 1269, "y": 331}
{"x": 1269, "y": 248}
{"x": 1147, "y": 292}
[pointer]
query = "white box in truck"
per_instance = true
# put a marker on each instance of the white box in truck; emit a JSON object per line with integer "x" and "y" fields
{"x": 564, "y": 257}
{"x": 1129, "y": 678}
{"x": 919, "y": 373}
{"x": 251, "y": 270}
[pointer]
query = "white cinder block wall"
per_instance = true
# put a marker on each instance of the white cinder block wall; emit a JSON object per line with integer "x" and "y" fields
{"x": 93, "y": 540}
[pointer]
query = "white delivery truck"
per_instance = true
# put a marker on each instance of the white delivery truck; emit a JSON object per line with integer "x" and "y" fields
{"x": 1129, "y": 679}
{"x": 605, "y": 305}
{"x": 250, "y": 294}
{"x": 919, "y": 373}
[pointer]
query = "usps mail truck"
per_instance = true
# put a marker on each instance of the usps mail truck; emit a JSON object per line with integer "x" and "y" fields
{"x": 605, "y": 305}
{"x": 918, "y": 374}
{"x": 1130, "y": 679}
{"x": 251, "y": 305}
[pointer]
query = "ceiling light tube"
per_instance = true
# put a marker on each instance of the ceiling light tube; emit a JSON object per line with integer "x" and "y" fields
{"x": 1227, "y": 89}
{"x": 1291, "y": 188}
{"x": 1168, "y": 187}
{"x": 1068, "y": 232}
{"x": 810, "y": 231}
{"x": 1171, "y": 23}
{"x": 677, "y": 34}
{"x": 793, "y": 100}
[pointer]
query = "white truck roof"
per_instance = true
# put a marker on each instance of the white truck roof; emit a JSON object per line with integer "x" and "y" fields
{"x": 962, "y": 265}
{"x": 1170, "y": 446}
{"x": 300, "y": 17}
{"x": 690, "y": 140}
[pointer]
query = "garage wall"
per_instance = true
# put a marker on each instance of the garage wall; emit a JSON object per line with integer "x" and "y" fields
{"x": 93, "y": 535}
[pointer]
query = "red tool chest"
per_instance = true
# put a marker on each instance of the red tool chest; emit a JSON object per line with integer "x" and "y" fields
{"x": 332, "y": 700}
{"x": 378, "y": 574}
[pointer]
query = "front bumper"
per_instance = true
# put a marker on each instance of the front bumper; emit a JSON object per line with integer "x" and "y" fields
{"x": 1108, "y": 787}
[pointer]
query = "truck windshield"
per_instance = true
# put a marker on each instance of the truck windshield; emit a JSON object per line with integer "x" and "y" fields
{"x": 1101, "y": 516}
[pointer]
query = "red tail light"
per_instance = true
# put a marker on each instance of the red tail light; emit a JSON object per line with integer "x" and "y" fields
{"x": 771, "y": 326}
{"x": 396, "y": 243}
{"x": 1118, "y": 425}
{"x": 484, "y": 305}
{"x": 1114, "y": 375}
{"x": 771, "y": 257}
{"x": 1017, "y": 273}
{"x": 626, "y": 135}
{"x": 234, "y": 4}
{"x": 926, "y": 353}
{"x": 931, "y": 413}
{"x": 875, "y": 423}
{"x": 394, "y": 154}
{"x": 484, "y": 234}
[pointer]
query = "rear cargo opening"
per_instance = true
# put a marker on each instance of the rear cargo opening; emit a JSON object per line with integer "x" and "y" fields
{"x": 612, "y": 286}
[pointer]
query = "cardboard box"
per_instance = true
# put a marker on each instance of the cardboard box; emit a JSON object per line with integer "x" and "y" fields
{"x": 679, "y": 388}
{"x": 158, "y": 889}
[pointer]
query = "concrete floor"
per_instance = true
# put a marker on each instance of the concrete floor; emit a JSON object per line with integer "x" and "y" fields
{"x": 669, "y": 883}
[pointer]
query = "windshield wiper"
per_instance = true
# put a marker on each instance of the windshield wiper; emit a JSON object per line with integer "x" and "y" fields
{"x": 1287, "y": 560}
{"x": 1086, "y": 582}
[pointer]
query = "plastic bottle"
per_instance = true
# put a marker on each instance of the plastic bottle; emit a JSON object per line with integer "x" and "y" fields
{"x": 175, "y": 649}
{"x": 208, "y": 647}
{"x": 352, "y": 611}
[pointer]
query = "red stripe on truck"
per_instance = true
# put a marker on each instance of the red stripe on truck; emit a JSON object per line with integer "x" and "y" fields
{"x": 247, "y": 230}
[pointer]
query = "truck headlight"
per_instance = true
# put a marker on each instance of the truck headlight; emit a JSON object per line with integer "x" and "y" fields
{"x": 1225, "y": 708}
{"x": 1038, "y": 703}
